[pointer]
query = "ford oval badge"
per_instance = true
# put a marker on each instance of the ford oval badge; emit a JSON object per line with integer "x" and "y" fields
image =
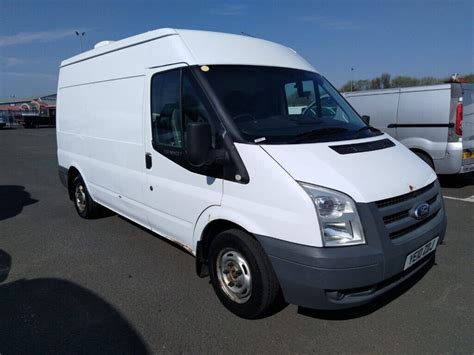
{"x": 421, "y": 210}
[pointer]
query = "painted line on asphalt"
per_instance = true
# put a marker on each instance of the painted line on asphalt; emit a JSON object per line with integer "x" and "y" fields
{"x": 467, "y": 199}
{"x": 37, "y": 134}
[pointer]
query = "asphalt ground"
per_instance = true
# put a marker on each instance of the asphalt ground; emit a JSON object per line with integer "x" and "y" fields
{"x": 69, "y": 285}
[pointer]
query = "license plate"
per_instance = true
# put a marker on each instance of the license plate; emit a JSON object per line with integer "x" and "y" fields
{"x": 419, "y": 253}
{"x": 467, "y": 154}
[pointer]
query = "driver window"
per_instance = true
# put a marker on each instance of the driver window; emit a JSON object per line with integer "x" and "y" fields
{"x": 165, "y": 110}
{"x": 192, "y": 103}
{"x": 170, "y": 113}
{"x": 299, "y": 96}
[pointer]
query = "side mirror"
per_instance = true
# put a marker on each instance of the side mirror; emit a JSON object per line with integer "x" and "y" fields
{"x": 366, "y": 119}
{"x": 199, "y": 142}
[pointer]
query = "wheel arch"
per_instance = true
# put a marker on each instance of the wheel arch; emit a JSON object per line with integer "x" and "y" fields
{"x": 423, "y": 152}
{"x": 209, "y": 225}
{"x": 72, "y": 172}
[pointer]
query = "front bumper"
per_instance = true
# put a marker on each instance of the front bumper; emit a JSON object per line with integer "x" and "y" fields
{"x": 343, "y": 277}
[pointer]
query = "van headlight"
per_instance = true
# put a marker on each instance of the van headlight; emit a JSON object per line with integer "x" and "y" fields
{"x": 338, "y": 217}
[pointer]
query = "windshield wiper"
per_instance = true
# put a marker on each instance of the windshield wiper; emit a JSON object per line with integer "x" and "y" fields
{"x": 318, "y": 133}
{"x": 369, "y": 128}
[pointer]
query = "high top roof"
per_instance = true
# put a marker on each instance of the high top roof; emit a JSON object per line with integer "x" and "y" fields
{"x": 203, "y": 47}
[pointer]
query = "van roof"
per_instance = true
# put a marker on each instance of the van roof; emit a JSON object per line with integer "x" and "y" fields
{"x": 205, "y": 47}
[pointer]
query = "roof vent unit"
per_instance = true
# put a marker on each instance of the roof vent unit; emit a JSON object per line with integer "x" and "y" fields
{"x": 103, "y": 44}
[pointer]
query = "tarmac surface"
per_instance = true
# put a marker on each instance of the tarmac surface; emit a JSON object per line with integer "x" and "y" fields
{"x": 108, "y": 286}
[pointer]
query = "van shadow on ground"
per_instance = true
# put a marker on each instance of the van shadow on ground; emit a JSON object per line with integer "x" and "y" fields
{"x": 53, "y": 316}
{"x": 12, "y": 200}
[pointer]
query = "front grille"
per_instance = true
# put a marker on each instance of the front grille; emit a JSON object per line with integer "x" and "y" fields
{"x": 395, "y": 212}
{"x": 401, "y": 198}
{"x": 413, "y": 227}
{"x": 395, "y": 217}
{"x": 403, "y": 214}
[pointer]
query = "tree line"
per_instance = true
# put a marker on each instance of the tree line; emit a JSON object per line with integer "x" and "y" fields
{"x": 385, "y": 81}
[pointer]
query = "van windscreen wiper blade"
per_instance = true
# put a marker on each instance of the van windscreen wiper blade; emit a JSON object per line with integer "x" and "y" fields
{"x": 370, "y": 128}
{"x": 318, "y": 133}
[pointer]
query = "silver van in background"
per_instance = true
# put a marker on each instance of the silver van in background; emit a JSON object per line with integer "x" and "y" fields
{"x": 436, "y": 122}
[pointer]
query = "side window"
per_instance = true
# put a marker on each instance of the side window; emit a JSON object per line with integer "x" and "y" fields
{"x": 299, "y": 96}
{"x": 165, "y": 109}
{"x": 193, "y": 103}
{"x": 170, "y": 112}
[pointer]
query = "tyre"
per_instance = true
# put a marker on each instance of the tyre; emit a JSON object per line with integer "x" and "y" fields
{"x": 425, "y": 158}
{"x": 242, "y": 275}
{"x": 86, "y": 207}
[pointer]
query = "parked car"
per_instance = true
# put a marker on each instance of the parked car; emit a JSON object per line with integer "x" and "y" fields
{"x": 436, "y": 122}
{"x": 3, "y": 122}
{"x": 191, "y": 135}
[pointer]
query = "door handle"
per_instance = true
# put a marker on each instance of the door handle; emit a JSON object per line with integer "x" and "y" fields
{"x": 148, "y": 161}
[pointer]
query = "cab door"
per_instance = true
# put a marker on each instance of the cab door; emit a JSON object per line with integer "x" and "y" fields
{"x": 176, "y": 192}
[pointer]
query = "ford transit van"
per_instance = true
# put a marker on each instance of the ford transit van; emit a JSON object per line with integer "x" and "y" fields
{"x": 195, "y": 136}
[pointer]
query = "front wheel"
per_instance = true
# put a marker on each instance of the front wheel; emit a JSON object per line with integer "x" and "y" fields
{"x": 242, "y": 275}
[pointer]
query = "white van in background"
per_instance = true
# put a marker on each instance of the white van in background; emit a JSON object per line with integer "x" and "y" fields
{"x": 436, "y": 122}
{"x": 192, "y": 135}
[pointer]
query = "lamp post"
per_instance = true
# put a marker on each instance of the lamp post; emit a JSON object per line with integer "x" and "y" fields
{"x": 81, "y": 36}
{"x": 352, "y": 77}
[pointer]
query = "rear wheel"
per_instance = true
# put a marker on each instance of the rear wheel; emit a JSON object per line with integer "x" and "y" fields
{"x": 242, "y": 275}
{"x": 86, "y": 207}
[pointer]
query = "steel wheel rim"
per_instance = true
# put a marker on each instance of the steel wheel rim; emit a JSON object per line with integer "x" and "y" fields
{"x": 80, "y": 198}
{"x": 234, "y": 276}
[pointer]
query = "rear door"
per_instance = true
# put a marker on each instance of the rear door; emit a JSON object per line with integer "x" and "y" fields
{"x": 176, "y": 192}
{"x": 468, "y": 123}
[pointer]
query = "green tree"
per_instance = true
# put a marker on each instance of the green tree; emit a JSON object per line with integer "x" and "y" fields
{"x": 362, "y": 84}
{"x": 401, "y": 81}
{"x": 346, "y": 87}
{"x": 385, "y": 79}
{"x": 469, "y": 78}
{"x": 376, "y": 83}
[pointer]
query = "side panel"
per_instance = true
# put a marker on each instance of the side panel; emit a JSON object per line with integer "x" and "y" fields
{"x": 100, "y": 128}
{"x": 424, "y": 106}
{"x": 70, "y": 130}
{"x": 381, "y": 106}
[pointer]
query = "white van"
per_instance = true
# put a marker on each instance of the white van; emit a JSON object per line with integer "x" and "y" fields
{"x": 194, "y": 136}
{"x": 436, "y": 122}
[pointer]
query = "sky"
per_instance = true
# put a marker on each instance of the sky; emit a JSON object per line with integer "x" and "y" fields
{"x": 405, "y": 37}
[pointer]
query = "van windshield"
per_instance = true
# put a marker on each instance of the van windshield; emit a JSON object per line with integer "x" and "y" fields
{"x": 271, "y": 105}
